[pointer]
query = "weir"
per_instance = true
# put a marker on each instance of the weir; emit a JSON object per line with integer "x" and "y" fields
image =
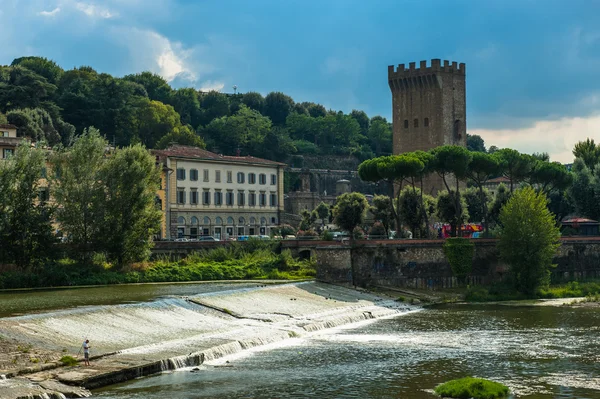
{"x": 132, "y": 340}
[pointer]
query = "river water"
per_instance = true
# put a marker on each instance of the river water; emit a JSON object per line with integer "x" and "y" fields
{"x": 539, "y": 352}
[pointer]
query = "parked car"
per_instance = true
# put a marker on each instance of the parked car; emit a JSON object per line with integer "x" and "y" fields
{"x": 243, "y": 238}
{"x": 182, "y": 239}
{"x": 208, "y": 238}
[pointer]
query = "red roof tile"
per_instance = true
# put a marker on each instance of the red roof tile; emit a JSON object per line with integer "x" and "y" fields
{"x": 579, "y": 220}
{"x": 498, "y": 180}
{"x": 184, "y": 151}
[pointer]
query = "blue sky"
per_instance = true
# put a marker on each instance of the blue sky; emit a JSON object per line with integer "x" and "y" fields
{"x": 533, "y": 67}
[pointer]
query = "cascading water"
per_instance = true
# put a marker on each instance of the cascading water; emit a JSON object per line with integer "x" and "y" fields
{"x": 181, "y": 332}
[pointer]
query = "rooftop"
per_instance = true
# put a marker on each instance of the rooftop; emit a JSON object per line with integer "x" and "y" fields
{"x": 184, "y": 151}
{"x": 579, "y": 220}
{"x": 498, "y": 180}
{"x": 7, "y": 126}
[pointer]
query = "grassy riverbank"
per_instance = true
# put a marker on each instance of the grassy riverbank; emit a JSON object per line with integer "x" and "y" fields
{"x": 240, "y": 261}
{"x": 506, "y": 292}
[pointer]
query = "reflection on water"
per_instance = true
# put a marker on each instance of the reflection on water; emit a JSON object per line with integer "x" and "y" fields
{"x": 15, "y": 303}
{"x": 539, "y": 353}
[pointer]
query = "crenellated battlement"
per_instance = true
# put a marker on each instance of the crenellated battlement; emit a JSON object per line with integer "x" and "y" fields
{"x": 436, "y": 66}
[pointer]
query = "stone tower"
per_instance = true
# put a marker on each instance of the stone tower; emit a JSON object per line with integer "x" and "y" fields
{"x": 428, "y": 108}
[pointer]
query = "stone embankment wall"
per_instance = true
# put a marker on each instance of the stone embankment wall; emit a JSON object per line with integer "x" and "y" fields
{"x": 422, "y": 264}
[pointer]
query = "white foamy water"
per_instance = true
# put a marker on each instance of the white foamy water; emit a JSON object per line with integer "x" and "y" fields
{"x": 181, "y": 330}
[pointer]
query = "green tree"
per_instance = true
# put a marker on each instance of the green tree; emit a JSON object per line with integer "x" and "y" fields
{"x": 323, "y": 213}
{"x": 589, "y": 153}
{"x": 156, "y": 86}
{"x": 187, "y": 105}
{"x": 278, "y": 106}
{"x": 380, "y": 135}
{"x": 411, "y": 211}
{"x": 585, "y": 190}
{"x": 131, "y": 217}
{"x": 254, "y": 100}
{"x": 452, "y": 165}
{"x": 475, "y": 143}
{"x": 501, "y": 198}
{"x": 515, "y": 166}
{"x": 550, "y": 176}
{"x": 42, "y": 66}
{"x": 482, "y": 167}
{"x": 477, "y": 204}
{"x": 460, "y": 252}
{"x": 362, "y": 119}
{"x": 35, "y": 124}
{"x": 245, "y": 130}
{"x": 452, "y": 210}
{"x": 529, "y": 239}
{"x": 214, "y": 105}
{"x": 181, "y": 135}
{"x": 349, "y": 211}
{"x": 79, "y": 190}
{"x": 382, "y": 211}
{"x": 25, "y": 221}
{"x": 23, "y": 88}
{"x": 154, "y": 120}
{"x": 315, "y": 110}
{"x": 396, "y": 170}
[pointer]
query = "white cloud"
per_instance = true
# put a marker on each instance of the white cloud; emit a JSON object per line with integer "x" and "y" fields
{"x": 151, "y": 51}
{"x": 556, "y": 137}
{"x": 49, "y": 13}
{"x": 211, "y": 85}
{"x": 95, "y": 11}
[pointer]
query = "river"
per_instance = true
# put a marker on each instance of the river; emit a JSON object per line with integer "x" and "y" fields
{"x": 539, "y": 352}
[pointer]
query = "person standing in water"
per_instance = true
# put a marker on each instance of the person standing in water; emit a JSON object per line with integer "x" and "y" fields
{"x": 86, "y": 352}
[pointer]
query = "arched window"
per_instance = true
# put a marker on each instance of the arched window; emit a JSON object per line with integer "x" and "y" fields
{"x": 416, "y": 122}
{"x": 241, "y": 220}
{"x": 230, "y": 221}
{"x": 218, "y": 221}
{"x": 426, "y": 122}
{"x": 180, "y": 220}
{"x": 457, "y": 134}
{"x": 252, "y": 220}
{"x": 194, "y": 221}
{"x": 206, "y": 220}
{"x": 263, "y": 221}
{"x": 406, "y": 123}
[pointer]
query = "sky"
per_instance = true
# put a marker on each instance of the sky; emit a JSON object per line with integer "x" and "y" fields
{"x": 533, "y": 66}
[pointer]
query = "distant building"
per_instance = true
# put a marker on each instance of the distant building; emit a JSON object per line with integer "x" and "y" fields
{"x": 429, "y": 109}
{"x": 493, "y": 184}
{"x": 8, "y": 140}
{"x": 208, "y": 194}
{"x": 581, "y": 227}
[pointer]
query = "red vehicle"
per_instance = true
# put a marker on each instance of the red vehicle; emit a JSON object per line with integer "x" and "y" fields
{"x": 470, "y": 230}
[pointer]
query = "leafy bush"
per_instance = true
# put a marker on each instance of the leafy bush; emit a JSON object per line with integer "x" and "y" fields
{"x": 68, "y": 361}
{"x": 459, "y": 252}
{"x": 469, "y": 387}
{"x": 327, "y": 235}
{"x": 377, "y": 230}
{"x": 254, "y": 259}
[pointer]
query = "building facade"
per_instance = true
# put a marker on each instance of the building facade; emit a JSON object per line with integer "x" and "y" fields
{"x": 208, "y": 194}
{"x": 8, "y": 140}
{"x": 428, "y": 108}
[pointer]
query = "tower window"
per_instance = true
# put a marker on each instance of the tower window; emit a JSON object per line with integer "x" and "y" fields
{"x": 426, "y": 122}
{"x": 406, "y": 123}
{"x": 457, "y": 134}
{"x": 416, "y": 123}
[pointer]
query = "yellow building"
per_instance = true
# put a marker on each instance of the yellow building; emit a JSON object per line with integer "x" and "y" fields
{"x": 8, "y": 140}
{"x": 204, "y": 194}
